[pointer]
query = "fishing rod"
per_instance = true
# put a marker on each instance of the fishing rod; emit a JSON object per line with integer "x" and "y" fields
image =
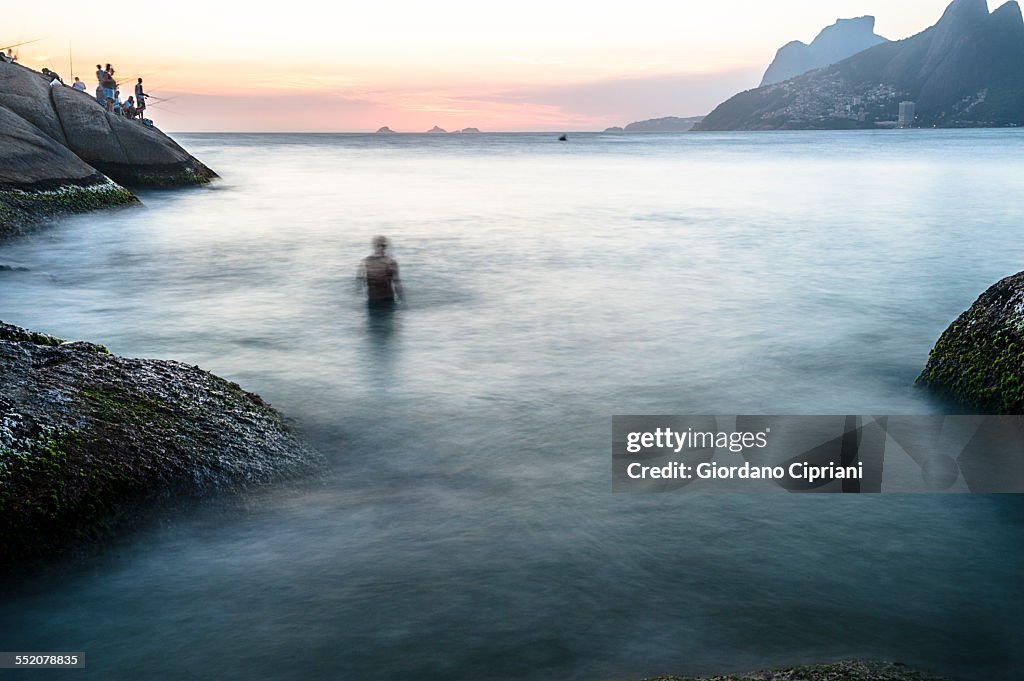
{"x": 27, "y": 42}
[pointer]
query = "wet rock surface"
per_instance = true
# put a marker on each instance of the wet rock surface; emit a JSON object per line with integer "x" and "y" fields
{"x": 853, "y": 670}
{"x": 83, "y": 433}
{"x": 978, "y": 361}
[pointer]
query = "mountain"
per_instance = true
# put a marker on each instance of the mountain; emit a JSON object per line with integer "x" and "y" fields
{"x": 965, "y": 71}
{"x": 835, "y": 43}
{"x": 436, "y": 131}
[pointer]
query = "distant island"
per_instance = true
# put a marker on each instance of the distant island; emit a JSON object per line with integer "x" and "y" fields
{"x": 965, "y": 71}
{"x": 666, "y": 124}
{"x": 436, "y": 130}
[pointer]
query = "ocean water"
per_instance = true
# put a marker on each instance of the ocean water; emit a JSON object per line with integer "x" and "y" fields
{"x": 464, "y": 524}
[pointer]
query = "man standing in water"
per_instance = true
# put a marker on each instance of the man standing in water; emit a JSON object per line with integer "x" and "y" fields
{"x": 379, "y": 274}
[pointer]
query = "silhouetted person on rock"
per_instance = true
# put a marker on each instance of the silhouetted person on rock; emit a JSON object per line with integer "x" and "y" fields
{"x": 109, "y": 84}
{"x": 379, "y": 274}
{"x": 140, "y": 99}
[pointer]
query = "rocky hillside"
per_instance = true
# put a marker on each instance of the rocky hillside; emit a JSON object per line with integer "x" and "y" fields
{"x": 61, "y": 152}
{"x": 965, "y": 71}
{"x": 835, "y": 43}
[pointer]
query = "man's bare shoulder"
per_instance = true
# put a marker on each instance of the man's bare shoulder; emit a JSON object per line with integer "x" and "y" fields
{"x": 380, "y": 260}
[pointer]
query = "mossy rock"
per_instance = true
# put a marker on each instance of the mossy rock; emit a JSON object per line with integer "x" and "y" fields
{"x": 21, "y": 210}
{"x": 87, "y": 436}
{"x": 978, "y": 361}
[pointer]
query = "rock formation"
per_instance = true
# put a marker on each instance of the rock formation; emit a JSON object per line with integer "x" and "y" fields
{"x": 835, "y": 43}
{"x": 84, "y": 433}
{"x": 61, "y": 152}
{"x": 965, "y": 71}
{"x": 979, "y": 360}
{"x": 41, "y": 178}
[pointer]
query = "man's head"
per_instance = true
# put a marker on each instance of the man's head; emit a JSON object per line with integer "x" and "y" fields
{"x": 140, "y": 81}
{"x": 380, "y": 244}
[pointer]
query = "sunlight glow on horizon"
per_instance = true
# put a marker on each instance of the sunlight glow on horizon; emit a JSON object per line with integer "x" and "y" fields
{"x": 356, "y": 66}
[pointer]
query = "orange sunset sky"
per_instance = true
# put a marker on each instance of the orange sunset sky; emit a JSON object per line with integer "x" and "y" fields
{"x": 499, "y": 66}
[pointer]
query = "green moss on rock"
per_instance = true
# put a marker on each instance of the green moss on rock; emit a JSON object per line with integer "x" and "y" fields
{"x": 9, "y": 332}
{"x": 86, "y": 436}
{"x": 20, "y": 209}
{"x": 979, "y": 360}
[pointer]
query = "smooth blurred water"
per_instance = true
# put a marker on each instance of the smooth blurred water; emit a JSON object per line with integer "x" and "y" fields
{"x": 464, "y": 526}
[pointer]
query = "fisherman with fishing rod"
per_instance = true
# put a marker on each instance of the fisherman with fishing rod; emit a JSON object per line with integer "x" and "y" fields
{"x": 140, "y": 100}
{"x": 12, "y": 56}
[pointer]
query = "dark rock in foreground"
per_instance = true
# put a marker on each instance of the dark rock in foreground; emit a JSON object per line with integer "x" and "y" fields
{"x": 979, "y": 360}
{"x": 856, "y": 670}
{"x": 83, "y": 433}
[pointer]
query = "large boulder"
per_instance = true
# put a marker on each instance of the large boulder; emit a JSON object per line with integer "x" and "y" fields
{"x": 979, "y": 360}
{"x": 85, "y": 434}
{"x": 40, "y": 178}
{"x": 127, "y": 151}
{"x": 27, "y": 93}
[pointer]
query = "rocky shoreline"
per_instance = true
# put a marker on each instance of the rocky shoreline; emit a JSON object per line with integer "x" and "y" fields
{"x": 850, "y": 670}
{"x": 84, "y": 434}
{"x": 61, "y": 153}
